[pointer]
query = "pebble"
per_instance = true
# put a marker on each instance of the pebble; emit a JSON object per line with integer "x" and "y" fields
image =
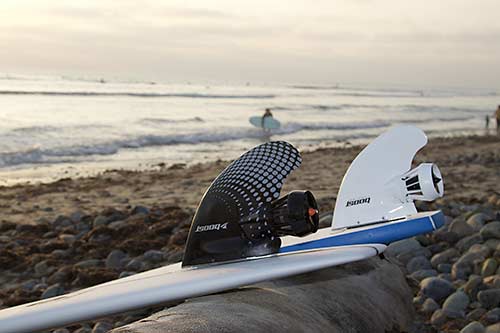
{"x": 473, "y": 286}
{"x": 444, "y": 257}
{"x": 489, "y": 267}
{"x": 454, "y": 306}
{"x": 436, "y": 288}
{"x": 438, "y": 317}
{"x": 461, "y": 228}
{"x": 473, "y": 327}
{"x": 444, "y": 268}
{"x": 422, "y": 274}
{"x": 102, "y": 327}
{"x": 492, "y": 281}
{"x": 495, "y": 328}
{"x": 477, "y": 221}
{"x": 489, "y": 298}
{"x": 429, "y": 306}
{"x": 43, "y": 268}
{"x": 465, "y": 243}
{"x": 155, "y": 256}
{"x": 115, "y": 259}
{"x": 88, "y": 263}
{"x": 100, "y": 220}
{"x": 476, "y": 314}
{"x": 462, "y": 268}
{"x": 492, "y": 316}
{"x": 140, "y": 210}
{"x": 490, "y": 230}
{"x": 135, "y": 265}
{"x": 52, "y": 291}
{"x": 406, "y": 249}
{"x": 61, "y": 330}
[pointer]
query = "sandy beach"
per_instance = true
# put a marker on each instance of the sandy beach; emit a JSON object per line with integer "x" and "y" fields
{"x": 469, "y": 165}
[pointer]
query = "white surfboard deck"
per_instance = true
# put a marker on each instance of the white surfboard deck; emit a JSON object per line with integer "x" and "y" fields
{"x": 269, "y": 122}
{"x": 171, "y": 283}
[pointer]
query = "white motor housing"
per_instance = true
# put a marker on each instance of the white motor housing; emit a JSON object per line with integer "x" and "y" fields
{"x": 424, "y": 183}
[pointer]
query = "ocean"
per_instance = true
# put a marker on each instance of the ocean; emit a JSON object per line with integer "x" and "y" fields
{"x": 55, "y": 127}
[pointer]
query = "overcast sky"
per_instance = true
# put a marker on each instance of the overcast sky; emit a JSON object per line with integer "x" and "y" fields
{"x": 425, "y": 42}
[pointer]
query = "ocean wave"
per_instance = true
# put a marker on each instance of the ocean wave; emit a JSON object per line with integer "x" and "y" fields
{"x": 170, "y": 121}
{"x": 137, "y": 94}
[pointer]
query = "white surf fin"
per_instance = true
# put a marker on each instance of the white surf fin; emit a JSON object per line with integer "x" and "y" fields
{"x": 379, "y": 185}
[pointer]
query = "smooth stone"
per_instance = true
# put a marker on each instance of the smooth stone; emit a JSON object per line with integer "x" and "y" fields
{"x": 495, "y": 328}
{"x": 463, "y": 267}
{"x": 419, "y": 300}
{"x": 444, "y": 257}
{"x": 477, "y": 221}
{"x": 406, "y": 249}
{"x": 102, "y": 327}
{"x": 461, "y": 228}
{"x": 114, "y": 260}
{"x": 489, "y": 298}
{"x": 437, "y": 247}
{"x": 489, "y": 267}
{"x": 76, "y": 217}
{"x": 100, "y": 220}
{"x": 444, "y": 268}
{"x": 423, "y": 274}
{"x": 61, "y": 330}
{"x": 493, "y": 244}
{"x": 465, "y": 243}
{"x": 480, "y": 249}
{"x": 126, "y": 273}
{"x": 43, "y": 268}
{"x": 40, "y": 287}
{"x": 52, "y": 291}
{"x": 490, "y": 230}
{"x": 438, "y": 318}
{"x": 429, "y": 306}
{"x": 475, "y": 314}
{"x": 88, "y": 263}
{"x": 135, "y": 265}
{"x": 446, "y": 276}
{"x": 492, "y": 281}
{"x": 117, "y": 225}
{"x": 153, "y": 256}
{"x": 473, "y": 327}
{"x": 417, "y": 264}
{"x": 473, "y": 285}
{"x": 455, "y": 304}
{"x": 436, "y": 288}
{"x": 67, "y": 238}
{"x": 492, "y": 316}
{"x": 140, "y": 210}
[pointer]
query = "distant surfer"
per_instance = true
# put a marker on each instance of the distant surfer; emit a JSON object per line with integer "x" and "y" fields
{"x": 497, "y": 116}
{"x": 267, "y": 114}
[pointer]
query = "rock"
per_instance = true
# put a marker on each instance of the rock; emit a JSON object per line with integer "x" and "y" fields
{"x": 465, "y": 243}
{"x": 88, "y": 263}
{"x": 492, "y": 316}
{"x": 135, "y": 265}
{"x": 493, "y": 281}
{"x": 491, "y": 230}
{"x": 100, "y": 220}
{"x": 422, "y": 274}
{"x": 52, "y": 291}
{"x": 463, "y": 267}
{"x": 489, "y": 267}
{"x": 405, "y": 250}
{"x": 153, "y": 256}
{"x": 76, "y": 217}
{"x": 445, "y": 236}
{"x": 480, "y": 249}
{"x": 455, "y": 304}
{"x": 61, "y": 330}
{"x": 438, "y": 318}
{"x": 43, "y": 269}
{"x": 476, "y": 314}
{"x": 489, "y": 298}
{"x": 436, "y": 288}
{"x": 67, "y": 238}
{"x": 139, "y": 210}
{"x": 495, "y": 328}
{"x": 444, "y": 268}
{"x": 444, "y": 257}
{"x": 477, "y": 221}
{"x": 102, "y": 327}
{"x": 473, "y": 286}
{"x": 461, "y": 228}
{"x": 126, "y": 273}
{"x": 377, "y": 301}
{"x": 115, "y": 259}
{"x": 493, "y": 244}
{"x": 417, "y": 264}
{"x": 117, "y": 225}
{"x": 429, "y": 306}
{"x": 474, "y": 327}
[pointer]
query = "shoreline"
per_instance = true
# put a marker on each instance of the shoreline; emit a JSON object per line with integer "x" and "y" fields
{"x": 474, "y": 159}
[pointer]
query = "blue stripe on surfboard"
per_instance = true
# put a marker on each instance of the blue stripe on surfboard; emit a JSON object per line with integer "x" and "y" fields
{"x": 384, "y": 234}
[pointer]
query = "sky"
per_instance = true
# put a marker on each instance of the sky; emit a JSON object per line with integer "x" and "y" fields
{"x": 427, "y": 43}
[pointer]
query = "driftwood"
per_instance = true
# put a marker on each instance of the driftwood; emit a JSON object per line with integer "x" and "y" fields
{"x": 366, "y": 296}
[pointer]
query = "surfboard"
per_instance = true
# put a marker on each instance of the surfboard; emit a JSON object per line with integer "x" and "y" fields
{"x": 269, "y": 122}
{"x": 243, "y": 232}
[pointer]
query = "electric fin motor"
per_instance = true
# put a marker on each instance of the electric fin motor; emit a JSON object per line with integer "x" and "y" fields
{"x": 241, "y": 214}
